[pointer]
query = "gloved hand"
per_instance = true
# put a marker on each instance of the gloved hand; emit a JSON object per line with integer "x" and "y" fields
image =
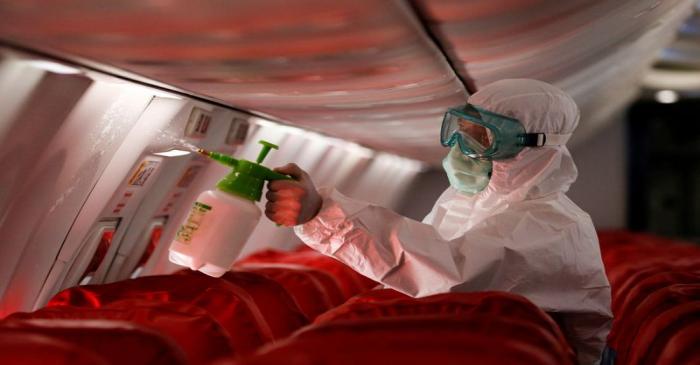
{"x": 292, "y": 202}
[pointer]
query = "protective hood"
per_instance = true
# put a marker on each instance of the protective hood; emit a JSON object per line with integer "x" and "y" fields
{"x": 541, "y": 108}
{"x": 536, "y": 172}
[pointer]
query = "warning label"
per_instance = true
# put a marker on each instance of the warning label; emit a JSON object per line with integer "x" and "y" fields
{"x": 143, "y": 172}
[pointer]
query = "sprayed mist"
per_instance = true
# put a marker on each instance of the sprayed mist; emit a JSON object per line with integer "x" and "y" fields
{"x": 174, "y": 141}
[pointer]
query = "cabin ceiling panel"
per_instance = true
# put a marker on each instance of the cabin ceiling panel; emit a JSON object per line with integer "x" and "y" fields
{"x": 362, "y": 70}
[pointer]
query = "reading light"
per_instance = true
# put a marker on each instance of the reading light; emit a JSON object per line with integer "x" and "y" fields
{"x": 54, "y": 67}
{"x": 172, "y": 153}
{"x": 666, "y": 96}
{"x": 164, "y": 94}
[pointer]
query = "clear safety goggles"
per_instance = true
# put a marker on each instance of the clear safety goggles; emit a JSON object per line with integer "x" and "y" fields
{"x": 483, "y": 134}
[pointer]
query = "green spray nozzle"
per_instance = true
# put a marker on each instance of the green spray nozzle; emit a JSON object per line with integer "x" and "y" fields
{"x": 247, "y": 178}
{"x": 265, "y": 150}
{"x": 219, "y": 157}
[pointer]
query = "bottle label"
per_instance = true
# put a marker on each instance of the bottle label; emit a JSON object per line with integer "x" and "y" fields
{"x": 193, "y": 222}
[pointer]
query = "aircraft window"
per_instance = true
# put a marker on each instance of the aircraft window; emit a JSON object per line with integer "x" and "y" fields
{"x": 98, "y": 257}
{"x": 154, "y": 239}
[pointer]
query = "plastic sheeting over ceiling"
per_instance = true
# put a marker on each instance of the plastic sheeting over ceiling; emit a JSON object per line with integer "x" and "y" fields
{"x": 595, "y": 50}
{"x": 363, "y": 70}
{"x": 678, "y": 65}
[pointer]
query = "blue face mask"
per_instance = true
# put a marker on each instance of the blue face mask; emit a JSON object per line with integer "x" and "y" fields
{"x": 466, "y": 174}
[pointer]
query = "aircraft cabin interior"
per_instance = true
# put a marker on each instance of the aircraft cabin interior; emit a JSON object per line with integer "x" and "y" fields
{"x": 143, "y": 221}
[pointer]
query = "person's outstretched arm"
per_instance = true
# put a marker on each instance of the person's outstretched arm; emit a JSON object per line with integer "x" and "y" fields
{"x": 399, "y": 252}
{"x": 546, "y": 255}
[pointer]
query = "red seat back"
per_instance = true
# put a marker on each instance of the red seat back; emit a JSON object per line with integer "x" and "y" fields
{"x": 252, "y": 308}
{"x": 477, "y": 339}
{"x": 682, "y": 348}
{"x": 389, "y": 303}
{"x": 654, "y": 305}
{"x": 26, "y": 348}
{"x": 655, "y": 334}
{"x": 378, "y": 295}
{"x": 200, "y": 337}
{"x": 225, "y": 302}
{"x": 625, "y": 287}
{"x": 116, "y": 342}
{"x": 351, "y": 282}
{"x": 247, "y": 331}
{"x": 636, "y": 260}
{"x": 652, "y": 282}
{"x": 272, "y": 303}
{"x": 160, "y": 288}
{"x": 306, "y": 286}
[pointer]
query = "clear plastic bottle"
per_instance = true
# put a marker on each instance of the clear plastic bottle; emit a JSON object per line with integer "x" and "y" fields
{"x": 221, "y": 220}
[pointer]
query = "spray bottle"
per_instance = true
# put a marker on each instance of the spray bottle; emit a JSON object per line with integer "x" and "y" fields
{"x": 222, "y": 219}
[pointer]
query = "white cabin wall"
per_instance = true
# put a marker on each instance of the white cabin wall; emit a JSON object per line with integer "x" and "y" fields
{"x": 601, "y": 188}
{"x": 53, "y": 150}
{"x": 17, "y": 80}
{"x": 138, "y": 197}
{"x": 421, "y": 195}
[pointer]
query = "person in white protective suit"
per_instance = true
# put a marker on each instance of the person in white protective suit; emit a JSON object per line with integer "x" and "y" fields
{"x": 505, "y": 222}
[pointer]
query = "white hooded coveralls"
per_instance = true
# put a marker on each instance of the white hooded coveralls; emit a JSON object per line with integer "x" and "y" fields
{"x": 521, "y": 234}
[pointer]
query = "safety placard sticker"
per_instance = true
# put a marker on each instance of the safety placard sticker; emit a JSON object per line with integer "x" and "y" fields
{"x": 198, "y": 123}
{"x": 189, "y": 176}
{"x": 143, "y": 172}
{"x": 192, "y": 223}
